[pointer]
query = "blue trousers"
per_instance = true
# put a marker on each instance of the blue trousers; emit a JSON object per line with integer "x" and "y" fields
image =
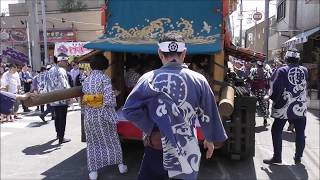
{"x": 48, "y": 110}
{"x": 60, "y": 113}
{"x": 276, "y": 131}
{"x": 152, "y": 165}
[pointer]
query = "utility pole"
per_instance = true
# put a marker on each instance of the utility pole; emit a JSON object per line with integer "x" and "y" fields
{"x": 44, "y": 31}
{"x": 35, "y": 43}
{"x": 255, "y": 33}
{"x": 29, "y": 45}
{"x": 241, "y": 18}
{"x": 232, "y": 22}
{"x": 266, "y": 29}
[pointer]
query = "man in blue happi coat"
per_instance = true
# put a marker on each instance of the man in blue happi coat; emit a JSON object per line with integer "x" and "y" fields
{"x": 289, "y": 96}
{"x": 165, "y": 104}
{"x": 57, "y": 79}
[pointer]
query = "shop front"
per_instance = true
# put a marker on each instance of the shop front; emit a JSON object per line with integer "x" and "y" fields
{"x": 308, "y": 43}
{"x": 55, "y": 36}
{"x": 14, "y": 45}
{"x": 73, "y": 50}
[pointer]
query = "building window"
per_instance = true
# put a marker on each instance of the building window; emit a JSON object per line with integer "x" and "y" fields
{"x": 281, "y": 10}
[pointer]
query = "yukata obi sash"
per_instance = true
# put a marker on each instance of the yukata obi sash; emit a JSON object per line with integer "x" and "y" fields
{"x": 93, "y": 100}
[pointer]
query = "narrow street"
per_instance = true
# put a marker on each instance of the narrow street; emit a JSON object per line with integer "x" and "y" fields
{"x": 159, "y": 60}
{"x": 29, "y": 151}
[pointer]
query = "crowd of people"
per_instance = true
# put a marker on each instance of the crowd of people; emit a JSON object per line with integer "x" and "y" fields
{"x": 256, "y": 76}
{"x": 20, "y": 83}
{"x": 159, "y": 104}
{"x": 20, "y": 79}
{"x": 285, "y": 84}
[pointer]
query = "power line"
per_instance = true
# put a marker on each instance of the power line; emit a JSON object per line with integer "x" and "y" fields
{"x": 77, "y": 22}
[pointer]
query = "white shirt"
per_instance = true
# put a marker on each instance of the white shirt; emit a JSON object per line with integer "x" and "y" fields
{"x": 74, "y": 73}
{"x": 12, "y": 81}
{"x": 57, "y": 79}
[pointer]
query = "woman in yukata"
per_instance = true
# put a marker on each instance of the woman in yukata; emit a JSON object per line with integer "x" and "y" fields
{"x": 103, "y": 144}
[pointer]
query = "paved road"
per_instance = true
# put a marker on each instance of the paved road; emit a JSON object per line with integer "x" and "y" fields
{"x": 28, "y": 151}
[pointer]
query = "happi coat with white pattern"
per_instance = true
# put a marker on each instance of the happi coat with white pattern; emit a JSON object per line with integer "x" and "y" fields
{"x": 103, "y": 144}
{"x": 289, "y": 92}
{"x": 173, "y": 98}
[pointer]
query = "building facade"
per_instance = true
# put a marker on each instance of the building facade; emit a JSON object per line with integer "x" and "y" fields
{"x": 298, "y": 25}
{"x": 64, "y": 23}
{"x": 254, "y": 36}
{"x": 296, "y": 18}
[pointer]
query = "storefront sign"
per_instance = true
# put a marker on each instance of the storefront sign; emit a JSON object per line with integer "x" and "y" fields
{"x": 19, "y": 35}
{"x": 62, "y": 35}
{"x": 71, "y": 48}
{"x": 13, "y": 36}
{"x": 15, "y": 55}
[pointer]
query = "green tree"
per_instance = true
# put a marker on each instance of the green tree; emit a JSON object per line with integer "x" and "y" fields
{"x": 71, "y": 5}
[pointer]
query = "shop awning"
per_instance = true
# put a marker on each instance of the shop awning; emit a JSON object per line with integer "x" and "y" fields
{"x": 135, "y": 26}
{"x": 244, "y": 53}
{"x": 301, "y": 38}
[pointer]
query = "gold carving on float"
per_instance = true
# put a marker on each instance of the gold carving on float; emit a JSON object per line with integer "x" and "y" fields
{"x": 150, "y": 34}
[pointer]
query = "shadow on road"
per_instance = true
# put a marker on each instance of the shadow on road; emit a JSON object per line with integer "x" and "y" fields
{"x": 132, "y": 155}
{"x": 289, "y": 136}
{"x": 222, "y": 167}
{"x": 260, "y": 129}
{"x": 286, "y": 172}
{"x": 32, "y": 113}
{"x": 37, "y": 124}
{"x": 41, "y": 149}
{"x": 75, "y": 167}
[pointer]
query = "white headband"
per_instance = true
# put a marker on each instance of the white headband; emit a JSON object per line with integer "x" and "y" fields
{"x": 292, "y": 54}
{"x": 62, "y": 58}
{"x": 172, "y": 46}
{"x": 260, "y": 63}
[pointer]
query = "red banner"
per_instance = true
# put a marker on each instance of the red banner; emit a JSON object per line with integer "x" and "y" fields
{"x": 13, "y": 36}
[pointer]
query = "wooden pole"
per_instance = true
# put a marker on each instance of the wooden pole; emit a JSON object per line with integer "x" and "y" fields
{"x": 53, "y": 96}
{"x": 226, "y": 105}
{"x": 218, "y": 70}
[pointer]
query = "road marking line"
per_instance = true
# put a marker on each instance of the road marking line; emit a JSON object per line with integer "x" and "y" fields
{"x": 3, "y": 134}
